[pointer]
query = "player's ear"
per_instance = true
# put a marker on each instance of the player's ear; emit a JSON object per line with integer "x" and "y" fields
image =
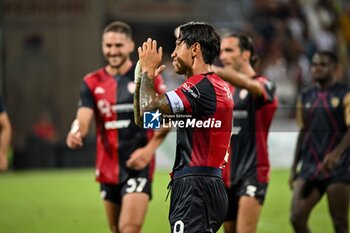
{"x": 246, "y": 55}
{"x": 131, "y": 46}
{"x": 195, "y": 49}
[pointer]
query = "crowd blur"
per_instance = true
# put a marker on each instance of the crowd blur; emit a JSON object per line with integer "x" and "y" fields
{"x": 287, "y": 32}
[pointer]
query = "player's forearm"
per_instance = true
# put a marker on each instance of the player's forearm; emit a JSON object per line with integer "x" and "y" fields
{"x": 149, "y": 99}
{"x": 147, "y": 94}
{"x": 231, "y": 76}
{"x": 158, "y": 138}
{"x": 239, "y": 80}
{"x": 79, "y": 126}
{"x": 83, "y": 129}
{"x": 137, "y": 113}
{"x": 83, "y": 119}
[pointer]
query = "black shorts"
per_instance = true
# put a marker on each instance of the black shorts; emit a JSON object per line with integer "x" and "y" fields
{"x": 115, "y": 192}
{"x": 250, "y": 188}
{"x": 198, "y": 203}
{"x": 320, "y": 185}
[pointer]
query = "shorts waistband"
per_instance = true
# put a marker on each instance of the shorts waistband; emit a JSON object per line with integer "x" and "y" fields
{"x": 197, "y": 171}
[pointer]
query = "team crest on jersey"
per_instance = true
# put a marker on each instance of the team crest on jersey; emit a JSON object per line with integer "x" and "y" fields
{"x": 243, "y": 93}
{"x": 335, "y": 102}
{"x": 104, "y": 107}
{"x": 131, "y": 87}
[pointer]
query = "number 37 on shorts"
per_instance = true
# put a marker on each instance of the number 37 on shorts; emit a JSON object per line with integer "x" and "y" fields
{"x": 136, "y": 185}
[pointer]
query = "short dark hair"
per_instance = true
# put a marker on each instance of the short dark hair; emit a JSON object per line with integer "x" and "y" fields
{"x": 245, "y": 44}
{"x": 331, "y": 55}
{"x": 205, "y": 35}
{"x": 118, "y": 26}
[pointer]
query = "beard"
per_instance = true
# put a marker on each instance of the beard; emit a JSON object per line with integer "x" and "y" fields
{"x": 116, "y": 61}
{"x": 322, "y": 79}
{"x": 180, "y": 66}
{"x": 237, "y": 66}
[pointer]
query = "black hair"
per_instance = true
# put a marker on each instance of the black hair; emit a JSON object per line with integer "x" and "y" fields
{"x": 331, "y": 55}
{"x": 245, "y": 44}
{"x": 118, "y": 26}
{"x": 203, "y": 33}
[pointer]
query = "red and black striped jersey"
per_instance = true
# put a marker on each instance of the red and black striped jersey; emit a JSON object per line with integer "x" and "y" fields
{"x": 117, "y": 135}
{"x": 207, "y": 98}
{"x": 252, "y": 117}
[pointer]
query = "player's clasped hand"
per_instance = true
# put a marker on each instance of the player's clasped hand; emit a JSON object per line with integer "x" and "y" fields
{"x": 150, "y": 57}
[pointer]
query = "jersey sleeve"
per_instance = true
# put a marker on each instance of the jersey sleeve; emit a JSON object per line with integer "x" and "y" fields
{"x": 269, "y": 90}
{"x": 346, "y": 102}
{"x": 86, "y": 97}
{"x": 299, "y": 113}
{"x": 195, "y": 96}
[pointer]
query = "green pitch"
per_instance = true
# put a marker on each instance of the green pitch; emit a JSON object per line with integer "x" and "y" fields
{"x": 60, "y": 201}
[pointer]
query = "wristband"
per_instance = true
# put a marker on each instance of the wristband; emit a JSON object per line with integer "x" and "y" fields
{"x": 138, "y": 73}
{"x": 75, "y": 127}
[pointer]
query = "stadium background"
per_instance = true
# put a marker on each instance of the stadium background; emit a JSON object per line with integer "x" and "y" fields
{"x": 47, "y": 46}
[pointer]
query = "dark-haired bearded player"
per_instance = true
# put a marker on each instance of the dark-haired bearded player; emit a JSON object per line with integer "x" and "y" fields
{"x": 198, "y": 199}
{"x": 124, "y": 156}
{"x": 246, "y": 175}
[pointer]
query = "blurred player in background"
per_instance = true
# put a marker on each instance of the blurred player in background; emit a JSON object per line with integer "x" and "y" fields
{"x": 107, "y": 95}
{"x": 5, "y": 136}
{"x": 247, "y": 173}
{"x": 323, "y": 115}
{"x": 198, "y": 198}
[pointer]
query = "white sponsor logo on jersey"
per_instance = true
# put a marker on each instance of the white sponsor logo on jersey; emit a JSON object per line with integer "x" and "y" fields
{"x": 99, "y": 90}
{"x": 192, "y": 89}
{"x": 120, "y": 124}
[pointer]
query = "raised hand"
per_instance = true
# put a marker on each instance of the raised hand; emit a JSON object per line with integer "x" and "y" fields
{"x": 150, "y": 57}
